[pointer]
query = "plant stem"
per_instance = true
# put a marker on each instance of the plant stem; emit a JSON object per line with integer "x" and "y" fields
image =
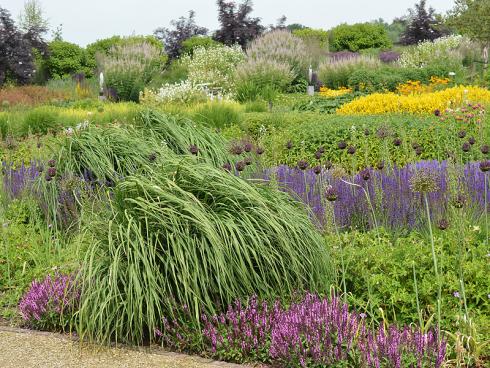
{"x": 434, "y": 259}
{"x": 417, "y": 296}
{"x": 486, "y": 208}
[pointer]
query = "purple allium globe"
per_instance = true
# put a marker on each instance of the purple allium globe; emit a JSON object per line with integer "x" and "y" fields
{"x": 52, "y": 171}
{"x": 351, "y": 150}
{"x": 227, "y": 166}
{"x": 462, "y": 133}
{"x": 318, "y": 155}
{"x": 259, "y": 150}
{"x": 321, "y": 149}
{"x": 331, "y": 194}
{"x": 437, "y": 112}
{"x": 485, "y": 166}
{"x": 247, "y": 147}
{"x": 240, "y": 166}
{"x": 466, "y": 147}
{"x": 471, "y": 140}
{"x": 397, "y": 142}
{"x": 485, "y": 149}
{"x": 365, "y": 174}
{"x": 248, "y": 160}
{"x": 317, "y": 169}
{"x": 342, "y": 145}
{"x": 289, "y": 145}
{"x": 52, "y": 163}
{"x": 47, "y": 177}
{"x": 442, "y": 224}
{"x": 193, "y": 149}
{"x": 302, "y": 164}
{"x": 419, "y": 151}
{"x": 236, "y": 149}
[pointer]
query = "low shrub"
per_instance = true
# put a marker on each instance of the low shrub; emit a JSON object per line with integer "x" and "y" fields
{"x": 441, "y": 50}
{"x": 359, "y": 36}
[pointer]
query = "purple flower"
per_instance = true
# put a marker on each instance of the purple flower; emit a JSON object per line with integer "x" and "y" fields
{"x": 456, "y": 294}
{"x": 193, "y": 149}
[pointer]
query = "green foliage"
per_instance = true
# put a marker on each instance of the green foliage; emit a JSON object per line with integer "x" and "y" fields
{"x": 190, "y": 44}
{"x": 65, "y": 59}
{"x": 359, "y": 36}
{"x": 316, "y": 36}
{"x": 471, "y": 18}
{"x": 324, "y": 105}
{"x": 336, "y": 73}
{"x": 190, "y": 234}
{"x": 217, "y": 115}
{"x": 40, "y": 120}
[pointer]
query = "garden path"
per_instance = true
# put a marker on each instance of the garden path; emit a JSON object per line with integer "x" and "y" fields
{"x": 33, "y": 349}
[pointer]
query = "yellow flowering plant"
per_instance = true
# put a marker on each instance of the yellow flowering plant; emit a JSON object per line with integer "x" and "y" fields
{"x": 327, "y": 92}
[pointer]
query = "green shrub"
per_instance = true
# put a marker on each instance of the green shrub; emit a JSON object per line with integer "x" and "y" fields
{"x": 283, "y": 47}
{"x": 359, "y": 36}
{"x": 40, "y": 120}
{"x": 441, "y": 50}
{"x": 336, "y": 73}
{"x": 65, "y": 59}
{"x": 4, "y": 126}
{"x": 190, "y": 44}
{"x": 196, "y": 236}
{"x": 318, "y": 37}
{"x": 217, "y": 115}
{"x": 129, "y": 68}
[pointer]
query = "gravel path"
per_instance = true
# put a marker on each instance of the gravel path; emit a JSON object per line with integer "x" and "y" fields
{"x": 29, "y": 349}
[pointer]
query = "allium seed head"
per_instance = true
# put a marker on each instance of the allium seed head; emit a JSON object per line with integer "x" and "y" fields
{"x": 289, "y": 145}
{"x": 259, "y": 150}
{"x": 380, "y": 165}
{"x": 52, "y": 163}
{"x": 424, "y": 181}
{"x": 459, "y": 200}
{"x": 485, "y": 165}
{"x": 462, "y": 133}
{"x": 442, "y": 224}
{"x": 240, "y": 166}
{"x": 466, "y": 146}
{"x": 365, "y": 174}
{"x": 52, "y": 171}
{"x": 248, "y": 160}
{"x": 227, "y": 166}
{"x": 318, "y": 155}
{"x": 331, "y": 194}
{"x": 471, "y": 140}
{"x": 397, "y": 142}
{"x": 247, "y": 147}
{"x": 317, "y": 169}
{"x": 485, "y": 149}
{"x": 302, "y": 164}
{"x": 351, "y": 150}
{"x": 342, "y": 145}
{"x": 193, "y": 149}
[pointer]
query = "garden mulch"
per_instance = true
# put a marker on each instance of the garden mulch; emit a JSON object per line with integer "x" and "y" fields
{"x": 21, "y": 348}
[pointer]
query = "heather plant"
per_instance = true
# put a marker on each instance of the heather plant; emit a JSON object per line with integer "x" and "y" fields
{"x": 162, "y": 219}
{"x": 50, "y": 304}
{"x": 283, "y": 47}
{"x": 214, "y": 66}
{"x": 128, "y": 68}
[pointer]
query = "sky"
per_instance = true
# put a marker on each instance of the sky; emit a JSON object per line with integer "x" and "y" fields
{"x": 85, "y": 21}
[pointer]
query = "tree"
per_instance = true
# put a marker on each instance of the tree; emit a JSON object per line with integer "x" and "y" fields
{"x": 423, "y": 24}
{"x": 34, "y": 25}
{"x": 16, "y": 59}
{"x": 359, "y": 36}
{"x": 236, "y": 24}
{"x": 184, "y": 28}
{"x": 294, "y": 26}
{"x": 472, "y": 18}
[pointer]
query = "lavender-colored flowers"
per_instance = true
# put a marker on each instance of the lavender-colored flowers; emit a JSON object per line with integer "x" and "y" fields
{"x": 47, "y": 300}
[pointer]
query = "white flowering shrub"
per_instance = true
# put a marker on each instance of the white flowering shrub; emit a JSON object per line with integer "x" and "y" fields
{"x": 444, "y": 49}
{"x": 283, "y": 47}
{"x": 214, "y": 66}
{"x": 184, "y": 92}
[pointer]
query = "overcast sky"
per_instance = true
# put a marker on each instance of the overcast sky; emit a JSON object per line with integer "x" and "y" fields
{"x": 85, "y": 21}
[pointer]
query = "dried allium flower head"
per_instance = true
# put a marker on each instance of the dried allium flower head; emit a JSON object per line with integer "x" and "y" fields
{"x": 485, "y": 149}
{"x": 52, "y": 171}
{"x": 485, "y": 165}
{"x": 338, "y": 172}
{"x": 367, "y": 132}
{"x": 227, "y": 166}
{"x": 419, "y": 151}
{"x": 52, "y": 163}
{"x": 466, "y": 146}
{"x": 321, "y": 149}
{"x": 328, "y": 165}
{"x": 331, "y": 194}
{"x": 152, "y": 157}
{"x": 236, "y": 149}
{"x": 289, "y": 145}
{"x": 240, "y": 166}
{"x": 397, "y": 142}
{"x": 247, "y": 147}
{"x": 318, "y": 155}
{"x": 259, "y": 150}
{"x": 302, "y": 164}
{"x": 424, "y": 181}
{"x": 462, "y": 133}
{"x": 380, "y": 165}
{"x": 437, "y": 112}
{"x": 415, "y": 145}
{"x": 382, "y": 132}
{"x": 48, "y": 177}
{"x": 351, "y": 150}
{"x": 471, "y": 140}
{"x": 442, "y": 224}
{"x": 459, "y": 200}
{"x": 317, "y": 169}
{"x": 365, "y": 174}
{"x": 193, "y": 149}
{"x": 248, "y": 161}
{"x": 342, "y": 145}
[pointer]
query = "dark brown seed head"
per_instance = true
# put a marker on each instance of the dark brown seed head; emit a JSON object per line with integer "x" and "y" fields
{"x": 317, "y": 169}
{"x": 485, "y": 165}
{"x": 471, "y": 140}
{"x": 302, "y": 164}
{"x": 289, "y": 145}
{"x": 442, "y": 224}
{"x": 240, "y": 166}
{"x": 485, "y": 149}
{"x": 397, "y": 142}
{"x": 248, "y": 161}
{"x": 193, "y": 149}
{"x": 462, "y": 133}
{"x": 351, "y": 150}
{"x": 331, "y": 194}
{"x": 365, "y": 174}
{"x": 259, "y": 150}
{"x": 466, "y": 146}
{"x": 342, "y": 145}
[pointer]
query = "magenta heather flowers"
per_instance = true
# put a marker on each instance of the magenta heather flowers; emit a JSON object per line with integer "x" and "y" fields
{"x": 47, "y": 303}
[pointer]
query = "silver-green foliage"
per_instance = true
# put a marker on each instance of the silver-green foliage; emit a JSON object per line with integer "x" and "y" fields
{"x": 189, "y": 234}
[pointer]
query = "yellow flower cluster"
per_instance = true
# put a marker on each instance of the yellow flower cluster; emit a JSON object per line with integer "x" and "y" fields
{"x": 327, "y": 92}
{"x": 427, "y": 103}
{"x": 416, "y": 87}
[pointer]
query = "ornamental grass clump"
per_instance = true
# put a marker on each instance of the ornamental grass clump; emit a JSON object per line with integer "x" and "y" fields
{"x": 192, "y": 234}
{"x": 51, "y": 303}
